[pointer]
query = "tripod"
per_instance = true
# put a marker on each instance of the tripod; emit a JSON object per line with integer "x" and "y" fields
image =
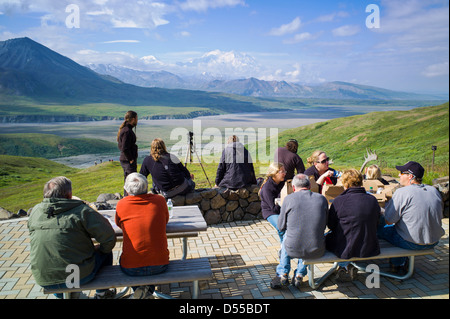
{"x": 191, "y": 150}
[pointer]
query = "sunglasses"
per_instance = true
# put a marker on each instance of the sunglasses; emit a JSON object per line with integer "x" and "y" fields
{"x": 324, "y": 161}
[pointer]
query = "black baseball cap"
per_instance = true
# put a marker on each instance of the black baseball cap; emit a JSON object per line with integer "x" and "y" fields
{"x": 413, "y": 168}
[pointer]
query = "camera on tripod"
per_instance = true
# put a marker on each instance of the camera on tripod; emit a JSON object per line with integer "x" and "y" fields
{"x": 190, "y": 152}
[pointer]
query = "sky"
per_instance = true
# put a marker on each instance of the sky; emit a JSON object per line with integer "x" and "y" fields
{"x": 401, "y": 45}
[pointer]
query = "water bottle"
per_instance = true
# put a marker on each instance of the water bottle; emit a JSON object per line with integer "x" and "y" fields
{"x": 170, "y": 207}
{"x": 371, "y": 191}
{"x": 337, "y": 174}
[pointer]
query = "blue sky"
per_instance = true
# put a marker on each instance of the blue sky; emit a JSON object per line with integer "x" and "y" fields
{"x": 296, "y": 41}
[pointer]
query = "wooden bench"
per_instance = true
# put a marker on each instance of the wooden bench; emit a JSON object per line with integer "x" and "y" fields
{"x": 178, "y": 271}
{"x": 386, "y": 251}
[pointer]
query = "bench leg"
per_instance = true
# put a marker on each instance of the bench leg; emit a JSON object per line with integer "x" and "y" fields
{"x": 316, "y": 284}
{"x": 195, "y": 290}
{"x": 391, "y": 275}
{"x": 185, "y": 248}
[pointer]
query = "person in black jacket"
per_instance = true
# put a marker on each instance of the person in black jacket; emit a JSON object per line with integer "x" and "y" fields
{"x": 353, "y": 222}
{"x": 170, "y": 177}
{"x": 126, "y": 140}
{"x": 270, "y": 190}
{"x": 290, "y": 159}
{"x": 235, "y": 168}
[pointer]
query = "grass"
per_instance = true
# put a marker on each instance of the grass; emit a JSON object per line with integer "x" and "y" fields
{"x": 396, "y": 136}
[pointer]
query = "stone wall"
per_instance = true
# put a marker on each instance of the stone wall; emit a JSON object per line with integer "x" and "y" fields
{"x": 224, "y": 205}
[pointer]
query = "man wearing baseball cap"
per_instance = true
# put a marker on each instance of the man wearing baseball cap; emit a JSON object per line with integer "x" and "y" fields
{"x": 413, "y": 216}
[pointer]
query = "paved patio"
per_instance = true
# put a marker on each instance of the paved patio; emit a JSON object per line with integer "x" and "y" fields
{"x": 243, "y": 257}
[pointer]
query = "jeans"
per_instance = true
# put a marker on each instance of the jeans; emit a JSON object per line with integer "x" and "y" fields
{"x": 101, "y": 260}
{"x": 144, "y": 271}
{"x": 273, "y": 220}
{"x": 284, "y": 266}
{"x": 389, "y": 233}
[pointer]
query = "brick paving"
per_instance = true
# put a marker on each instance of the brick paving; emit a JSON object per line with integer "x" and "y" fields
{"x": 243, "y": 257}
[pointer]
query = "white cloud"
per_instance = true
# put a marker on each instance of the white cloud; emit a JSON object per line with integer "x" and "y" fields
{"x": 305, "y": 36}
{"x": 204, "y": 5}
{"x": 122, "y": 41}
{"x": 286, "y": 28}
{"x": 438, "y": 69}
{"x": 346, "y": 30}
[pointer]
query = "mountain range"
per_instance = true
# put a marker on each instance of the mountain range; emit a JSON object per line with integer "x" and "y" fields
{"x": 256, "y": 87}
{"x": 32, "y": 71}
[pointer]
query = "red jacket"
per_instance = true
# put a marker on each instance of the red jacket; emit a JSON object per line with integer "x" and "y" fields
{"x": 143, "y": 220}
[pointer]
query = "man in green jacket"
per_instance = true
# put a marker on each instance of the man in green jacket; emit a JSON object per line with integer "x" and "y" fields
{"x": 61, "y": 231}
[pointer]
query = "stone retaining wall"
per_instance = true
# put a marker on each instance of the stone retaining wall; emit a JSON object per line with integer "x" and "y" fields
{"x": 224, "y": 205}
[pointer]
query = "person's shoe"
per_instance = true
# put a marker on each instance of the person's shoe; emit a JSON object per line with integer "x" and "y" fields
{"x": 108, "y": 294}
{"x": 279, "y": 282}
{"x": 297, "y": 281}
{"x": 400, "y": 270}
{"x": 341, "y": 274}
{"x": 143, "y": 292}
{"x": 352, "y": 272}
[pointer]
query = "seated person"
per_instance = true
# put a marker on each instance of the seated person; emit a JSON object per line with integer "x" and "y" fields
{"x": 170, "y": 177}
{"x": 304, "y": 218}
{"x": 413, "y": 217}
{"x": 143, "y": 218}
{"x": 353, "y": 220}
{"x": 270, "y": 189}
{"x": 289, "y": 158}
{"x": 235, "y": 168}
{"x": 319, "y": 168}
{"x": 374, "y": 172}
{"x": 61, "y": 232}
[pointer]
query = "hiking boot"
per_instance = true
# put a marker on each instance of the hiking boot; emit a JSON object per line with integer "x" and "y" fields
{"x": 108, "y": 294}
{"x": 143, "y": 292}
{"x": 341, "y": 274}
{"x": 279, "y": 282}
{"x": 297, "y": 281}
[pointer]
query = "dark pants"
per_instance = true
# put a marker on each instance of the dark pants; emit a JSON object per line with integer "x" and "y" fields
{"x": 101, "y": 260}
{"x": 128, "y": 168}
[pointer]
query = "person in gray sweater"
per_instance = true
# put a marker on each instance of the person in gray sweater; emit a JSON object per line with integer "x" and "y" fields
{"x": 304, "y": 217}
{"x": 413, "y": 217}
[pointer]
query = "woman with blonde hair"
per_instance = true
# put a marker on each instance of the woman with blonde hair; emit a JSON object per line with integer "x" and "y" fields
{"x": 374, "y": 172}
{"x": 126, "y": 141}
{"x": 270, "y": 189}
{"x": 352, "y": 220}
{"x": 170, "y": 177}
{"x": 319, "y": 168}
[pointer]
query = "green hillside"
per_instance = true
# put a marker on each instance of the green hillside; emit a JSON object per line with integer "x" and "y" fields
{"x": 51, "y": 146}
{"x": 396, "y": 136}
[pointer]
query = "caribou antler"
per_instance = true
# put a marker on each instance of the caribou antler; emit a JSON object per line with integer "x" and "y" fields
{"x": 371, "y": 156}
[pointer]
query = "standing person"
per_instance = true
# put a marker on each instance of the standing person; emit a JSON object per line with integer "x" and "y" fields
{"x": 235, "y": 168}
{"x": 319, "y": 168}
{"x": 126, "y": 140}
{"x": 143, "y": 218}
{"x": 269, "y": 191}
{"x": 170, "y": 177}
{"x": 289, "y": 158}
{"x": 413, "y": 217}
{"x": 304, "y": 218}
{"x": 61, "y": 232}
{"x": 353, "y": 220}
